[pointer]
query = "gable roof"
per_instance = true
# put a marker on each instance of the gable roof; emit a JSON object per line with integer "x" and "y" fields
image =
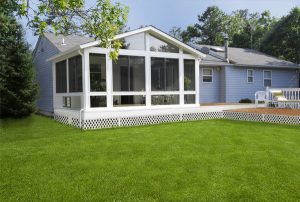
{"x": 79, "y": 42}
{"x": 242, "y": 57}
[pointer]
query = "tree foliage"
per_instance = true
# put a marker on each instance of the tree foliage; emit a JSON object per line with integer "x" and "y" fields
{"x": 17, "y": 86}
{"x": 244, "y": 29}
{"x": 102, "y": 21}
{"x": 283, "y": 40}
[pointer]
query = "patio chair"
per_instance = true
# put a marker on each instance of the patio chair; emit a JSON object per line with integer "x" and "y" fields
{"x": 260, "y": 96}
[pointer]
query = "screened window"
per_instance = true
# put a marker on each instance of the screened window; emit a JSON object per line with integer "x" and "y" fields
{"x": 164, "y": 74}
{"x": 61, "y": 76}
{"x": 207, "y": 75}
{"x": 129, "y": 74}
{"x": 158, "y": 45}
{"x": 267, "y": 78}
{"x": 250, "y": 75}
{"x": 190, "y": 99}
{"x": 189, "y": 75}
{"x": 129, "y": 100}
{"x": 75, "y": 74}
{"x": 97, "y": 72}
{"x": 164, "y": 99}
{"x": 98, "y": 101}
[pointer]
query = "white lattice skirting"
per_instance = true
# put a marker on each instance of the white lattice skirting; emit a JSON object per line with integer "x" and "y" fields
{"x": 156, "y": 119}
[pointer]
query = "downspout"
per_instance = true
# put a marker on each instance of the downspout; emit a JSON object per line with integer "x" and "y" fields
{"x": 226, "y": 47}
{"x": 83, "y": 109}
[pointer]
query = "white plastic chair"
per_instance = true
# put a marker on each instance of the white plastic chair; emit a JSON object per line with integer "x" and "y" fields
{"x": 260, "y": 96}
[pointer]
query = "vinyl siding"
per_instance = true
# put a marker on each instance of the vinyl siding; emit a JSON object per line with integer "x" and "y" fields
{"x": 44, "y": 51}
{"x": 237, "y": 87}
{"x": 211, "y": 92}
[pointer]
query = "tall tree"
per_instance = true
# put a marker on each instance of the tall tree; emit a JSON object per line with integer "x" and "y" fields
{"x": 283, "y": 40}
{"x": 18, "y": 89}
{"x": 102, "y": 21}
{"x": 176, "y": 32}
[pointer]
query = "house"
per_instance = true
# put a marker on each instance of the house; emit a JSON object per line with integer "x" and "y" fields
{"x": 155, "y": 77}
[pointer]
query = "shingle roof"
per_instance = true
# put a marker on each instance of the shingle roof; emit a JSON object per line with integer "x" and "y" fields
{"x": 244, "y": 56}
{"x": 70, "y": 41}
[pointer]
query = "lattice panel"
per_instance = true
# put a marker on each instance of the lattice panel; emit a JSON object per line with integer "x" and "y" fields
{"x": 155, "y": 119}
{"x": 100, "y": 123}
{"x": 272, "y": 118}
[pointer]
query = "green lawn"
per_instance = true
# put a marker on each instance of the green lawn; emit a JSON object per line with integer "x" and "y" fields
{"x": 214, "y": 160}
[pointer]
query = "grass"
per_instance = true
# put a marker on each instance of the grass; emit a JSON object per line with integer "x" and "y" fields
{"x": 214, "y": 160}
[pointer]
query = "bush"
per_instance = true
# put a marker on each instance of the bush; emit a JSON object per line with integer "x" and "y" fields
{"x": 245, "y": 100}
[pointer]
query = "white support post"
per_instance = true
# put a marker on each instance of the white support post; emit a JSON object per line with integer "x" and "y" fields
{"x": 148, "y": 71}
{"x": 53, "y": 84}
{"x": 86, "y": 76}
{"x": 197, "y": 78}
{"x": 181, "y": 78}
{"x": 109, "y": 81}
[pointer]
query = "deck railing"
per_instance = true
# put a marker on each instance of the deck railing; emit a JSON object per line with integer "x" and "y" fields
{"x": 291, "y": 98}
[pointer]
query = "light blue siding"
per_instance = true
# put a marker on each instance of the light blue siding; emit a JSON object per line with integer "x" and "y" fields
{"x": 211, "y": 92}
{"x": 237, "y": 87}
{"x": 44, "y": 51}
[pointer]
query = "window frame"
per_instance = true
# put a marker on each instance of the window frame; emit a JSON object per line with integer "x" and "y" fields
{"x": 250, "y": 76}
{"x": 212, "y": 75}
{"x": 267, "y": 78}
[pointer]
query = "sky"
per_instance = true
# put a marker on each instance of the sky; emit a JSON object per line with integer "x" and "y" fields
{"x": 164, "y": 14}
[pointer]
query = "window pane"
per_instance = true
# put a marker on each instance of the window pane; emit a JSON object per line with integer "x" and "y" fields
{"x": 129, "y": 100}
{"x": 189, "y": 74}
{"x": 129, "y": 74}
{"x": 61, "y": 77}
{"x": 98, "y": 101}
{"x": 207, "y": 79}
{"x": 97, "y": 72}
{"x": 250, "y": 73}
{"x": 250, "y": 79}
{"x": 134, "y": 42}
{"x": 267, "y": 82}
{"x": 164, "y": 99}
{"x": 267, "y": 74}
{"x": 164, "y": 74}
{"x": 207, "y": 72}
{"x": 158, "y": 45}
{"x": 75, "y": 74}
{"x": 189, "y": 99}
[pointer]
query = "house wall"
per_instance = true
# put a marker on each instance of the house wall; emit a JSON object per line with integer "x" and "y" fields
{"x": 44, "y": 51}
{"x": 237, "y": 87}
{"x": 212, "y": 92}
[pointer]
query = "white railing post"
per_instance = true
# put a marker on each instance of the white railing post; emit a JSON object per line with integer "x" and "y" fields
{"x": 267, "y": 97}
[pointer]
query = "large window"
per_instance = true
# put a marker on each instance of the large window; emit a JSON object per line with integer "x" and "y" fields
{"x": 158, "y": 45}
{"x": 75, "y": 74}
{"x": 207, "y": 75}
{"x": 164, "y": 74}
{"x": 129, "y": 74}
{"x": 97, "y": 72}
{"x": 98, "y": 101}
{"x": 189, "y": 75}
{"x": 134, "y": 42}
{"x": 61, "y": 77}
{"x": 129, "y": 100}
{"x": 267, "y": 78}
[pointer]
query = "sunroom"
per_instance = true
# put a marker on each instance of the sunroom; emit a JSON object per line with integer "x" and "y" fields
{"x": 155, "y": 74}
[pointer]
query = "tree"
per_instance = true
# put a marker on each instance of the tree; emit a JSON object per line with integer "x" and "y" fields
{"x": 176, "y": 32}
{"x": 18, "y": 89}
{"x": 283, "y": 40}
{"x": 211, "y": 26}
{"x": 102, "y": 21}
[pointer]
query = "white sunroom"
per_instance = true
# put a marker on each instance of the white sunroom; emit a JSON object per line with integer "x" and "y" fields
{"x": 154, "y": 76}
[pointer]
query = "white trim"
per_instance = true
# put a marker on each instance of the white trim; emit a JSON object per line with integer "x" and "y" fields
{"x": 251, "y": 76}
{"x": 267, "y": 78}
{"x": 212, "y": 75}
{"x": 148, "y": 29}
